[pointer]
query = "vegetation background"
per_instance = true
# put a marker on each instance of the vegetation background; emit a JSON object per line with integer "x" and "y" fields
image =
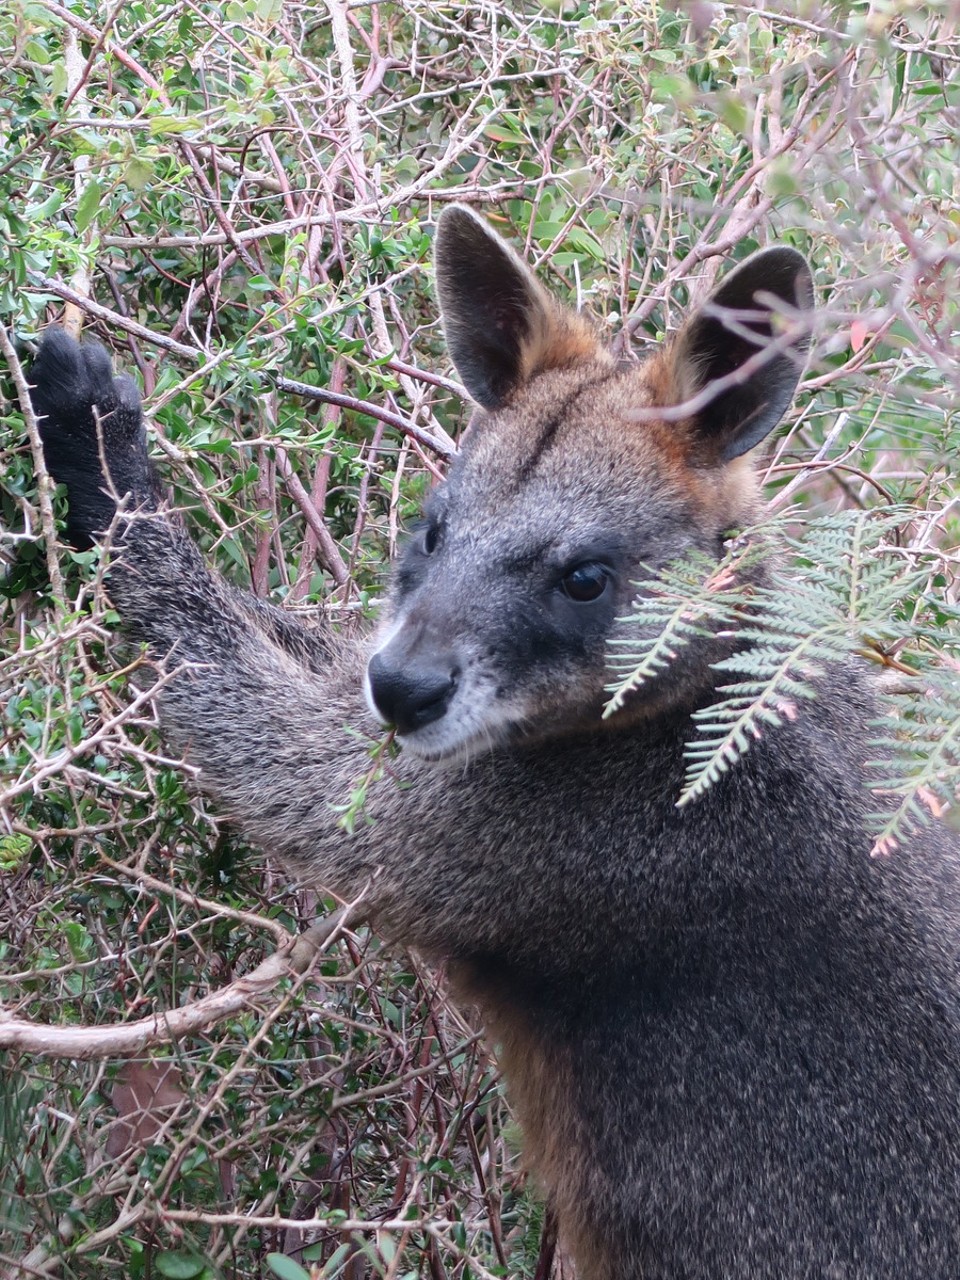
{"x": 239, "y": 198}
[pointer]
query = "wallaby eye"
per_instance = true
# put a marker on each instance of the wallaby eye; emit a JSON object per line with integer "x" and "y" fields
{"x": 431, "y": 536}
{"x": 585, "y": 583}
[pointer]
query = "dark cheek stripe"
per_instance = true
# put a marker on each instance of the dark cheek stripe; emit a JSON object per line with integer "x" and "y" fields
{"x": 526, "y": 645}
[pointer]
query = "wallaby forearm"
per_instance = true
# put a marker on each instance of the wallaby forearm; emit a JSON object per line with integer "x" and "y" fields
{"x": 275, "y": 720}
{"x": 251, "y": 689}
{"x": 154, "y": 560}
{"x": 315, "y": 646}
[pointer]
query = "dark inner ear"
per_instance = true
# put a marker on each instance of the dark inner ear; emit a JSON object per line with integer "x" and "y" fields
{"x": 741, "y": 322}
{"x": 493, "y": 308}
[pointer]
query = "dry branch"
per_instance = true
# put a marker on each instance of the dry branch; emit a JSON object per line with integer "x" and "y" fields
{"x": 131, "y": 1038}
{"x": 442, "y": 447}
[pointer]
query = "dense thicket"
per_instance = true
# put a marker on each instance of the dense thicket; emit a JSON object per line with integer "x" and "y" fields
{"x": 239, "y": 198}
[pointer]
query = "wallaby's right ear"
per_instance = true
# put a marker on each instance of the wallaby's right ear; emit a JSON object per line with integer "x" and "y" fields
{"x": 500, "y": 324}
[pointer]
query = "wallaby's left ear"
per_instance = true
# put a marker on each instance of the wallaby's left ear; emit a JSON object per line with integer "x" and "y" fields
{"x": 751, "y": 339}
{"x": 501, "y": 325}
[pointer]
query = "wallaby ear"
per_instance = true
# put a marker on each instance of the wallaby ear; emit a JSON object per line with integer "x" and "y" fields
{"x": 500, "y": 324}
{"x": 750, "y": 338}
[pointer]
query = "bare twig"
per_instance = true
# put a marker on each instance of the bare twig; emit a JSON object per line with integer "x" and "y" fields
{"x": 45, "y": 485}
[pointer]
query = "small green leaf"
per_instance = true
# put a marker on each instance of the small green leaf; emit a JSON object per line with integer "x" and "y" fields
{"x": 733, "y": 112}
{"x": 587, "y": 243}
{"x": 48, "y": 208}
{"x": 34, "y": 51}
{"x": 13, "y": 850}
{"x": 507, "y": 130}
{"x": 180, "y": 1266}
{"x": 138, "y": 173}
{"x": 783, "y": 180}
{"x": 88, "y": 204}
{"x": 286, "y": 1268}
{"x": 58, "y": 79}
{"x": 162, "y": 124}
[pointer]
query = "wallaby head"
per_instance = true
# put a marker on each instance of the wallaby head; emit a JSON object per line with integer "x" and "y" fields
{"x": 578, "y": 477}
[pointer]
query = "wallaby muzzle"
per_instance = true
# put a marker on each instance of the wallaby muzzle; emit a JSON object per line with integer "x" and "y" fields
{"x": 411, "y": 691}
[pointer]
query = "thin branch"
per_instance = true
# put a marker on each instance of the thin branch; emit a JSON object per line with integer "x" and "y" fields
{"x": 45, "y": 485}
{"x": 131, "y": 1038}
{"x": 441, "y": 448}
{"x": 329, "y": 552}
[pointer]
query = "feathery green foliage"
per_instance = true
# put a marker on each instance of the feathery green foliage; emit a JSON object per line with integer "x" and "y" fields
{"x": 849, "y": 588}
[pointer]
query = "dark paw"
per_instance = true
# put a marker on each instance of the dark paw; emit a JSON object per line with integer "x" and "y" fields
{"x": 84, "y": 410}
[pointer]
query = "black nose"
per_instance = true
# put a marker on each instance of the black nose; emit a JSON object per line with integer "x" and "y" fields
{"x": 412, "y": 694}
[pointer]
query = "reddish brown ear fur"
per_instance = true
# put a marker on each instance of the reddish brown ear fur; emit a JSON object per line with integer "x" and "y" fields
{"x": 737, "y": 360}
{"x": 502, "y": 327}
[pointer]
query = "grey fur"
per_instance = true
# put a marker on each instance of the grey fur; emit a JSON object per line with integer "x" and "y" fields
{"x": 731, "y": 1035}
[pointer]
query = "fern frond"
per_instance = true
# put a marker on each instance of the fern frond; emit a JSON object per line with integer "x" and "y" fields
{"x": 920, "y": 746}
{"x": 848, "y": 598}
{"x": 851, "y": 589}
{"x": 728, "y": 727}
{"x": 688, "y": 598}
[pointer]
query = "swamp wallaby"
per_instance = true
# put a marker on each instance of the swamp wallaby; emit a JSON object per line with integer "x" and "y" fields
{"x": 731, "y": 1035}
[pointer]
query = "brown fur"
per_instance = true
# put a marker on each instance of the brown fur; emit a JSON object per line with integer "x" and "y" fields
{"x": 567, "y": 340}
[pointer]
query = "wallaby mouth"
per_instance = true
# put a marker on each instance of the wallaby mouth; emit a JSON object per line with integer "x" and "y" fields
{"x": 442, "y": 702}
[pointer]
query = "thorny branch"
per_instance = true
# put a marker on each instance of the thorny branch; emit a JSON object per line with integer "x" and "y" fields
{"x": 81, "y": 1044}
